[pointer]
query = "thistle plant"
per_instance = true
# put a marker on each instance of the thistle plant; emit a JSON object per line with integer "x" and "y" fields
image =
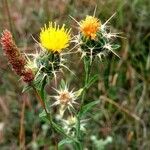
{"x": 94, "y": 40}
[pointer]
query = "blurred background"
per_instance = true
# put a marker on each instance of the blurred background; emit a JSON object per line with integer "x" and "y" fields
{"x": 124, "y": 111}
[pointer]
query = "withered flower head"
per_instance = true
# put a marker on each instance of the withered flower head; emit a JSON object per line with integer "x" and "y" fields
{"x": 65, "y": 98}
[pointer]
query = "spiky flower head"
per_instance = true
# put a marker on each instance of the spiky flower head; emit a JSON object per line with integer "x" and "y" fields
{"x": 45, "y": 64}
{"x": 54, "y": 38}
{"x": 90, "y": 26}
{"x": 65, "y": 98}
{"x": 95, "y": 39}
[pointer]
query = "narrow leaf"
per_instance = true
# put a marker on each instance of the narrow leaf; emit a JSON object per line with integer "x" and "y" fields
{"x": 91, "y": 81}
{"x": 42, "y": 114}
{"x": 88, "y": 107}
{"x": 26, "y": 88}
{"x": 64, "y": 141}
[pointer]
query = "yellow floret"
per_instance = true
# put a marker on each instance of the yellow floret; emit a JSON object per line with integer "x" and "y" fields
{"x": 90, "y": 26}
{"x": 53, "y": 38}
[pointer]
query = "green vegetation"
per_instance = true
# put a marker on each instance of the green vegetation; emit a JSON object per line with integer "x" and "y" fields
{"x": 121, "y": 119}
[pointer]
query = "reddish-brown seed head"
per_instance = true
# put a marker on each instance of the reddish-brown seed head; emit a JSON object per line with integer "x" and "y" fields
{"x": 15, "y": 58}
{"x": 28, "y": 76}
{"x": 12, "y": 52}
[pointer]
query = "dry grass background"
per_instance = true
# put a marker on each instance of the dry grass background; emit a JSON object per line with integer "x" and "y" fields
{"x": 123, "y": 86}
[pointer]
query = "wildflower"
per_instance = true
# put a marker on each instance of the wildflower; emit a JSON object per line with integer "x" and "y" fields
{"x": 54, "y": 38}
{"x": 95, "y": 39}
{"x": 45, "y": 64}
{"x": 70, "y": 123}
{"x": 90, "y": 26}
{"x": 65, "y": 98}
{"x": 15, "y": 58}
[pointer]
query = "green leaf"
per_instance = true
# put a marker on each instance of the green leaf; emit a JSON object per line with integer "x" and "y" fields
{"x": 92, "y": 80}
{"x": 88, "y": 107}
{"x": 26, "y": 88}
{"x": 79, "y": 92}
{"x": 64, "y": 141}
{"x": 42, "y": 114}
{"x": 42, "y": 91}
{"x": 62, "y": 84}
{"x": 58, "y": 128}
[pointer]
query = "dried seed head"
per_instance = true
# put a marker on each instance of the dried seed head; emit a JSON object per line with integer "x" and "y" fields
{"x": 28, "y": 76}
{"x": 66, "y": 98}
{"x": 15, "y": 58}
{"x": 12, "y": 53}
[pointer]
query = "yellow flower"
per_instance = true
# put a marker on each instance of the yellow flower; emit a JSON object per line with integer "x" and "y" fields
{"x": 90, "y": 26}
{"x": 53, "y": 38}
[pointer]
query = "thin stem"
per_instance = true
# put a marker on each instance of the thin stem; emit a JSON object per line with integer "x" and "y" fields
{"x": 78, "y": 146}
{"x": 87, "y": 67}
{"x": 22, "y": 132}
{"x": 9, "y": 16}
{"x": 78, "y": 128}
{"x": 40, "y": 99}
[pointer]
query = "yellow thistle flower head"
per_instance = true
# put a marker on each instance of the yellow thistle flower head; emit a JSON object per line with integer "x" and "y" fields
{"x": 54, "y": 38}
{"x": 90, "y": 26}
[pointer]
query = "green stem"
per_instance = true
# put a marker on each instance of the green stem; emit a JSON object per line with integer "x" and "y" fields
{"x": 42, "y": 91}
{"x": 9, "y": 15}
{"x": 78, "y": 146}
{"x": 87, "y": 67}
{"x": 41, "y": 101}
